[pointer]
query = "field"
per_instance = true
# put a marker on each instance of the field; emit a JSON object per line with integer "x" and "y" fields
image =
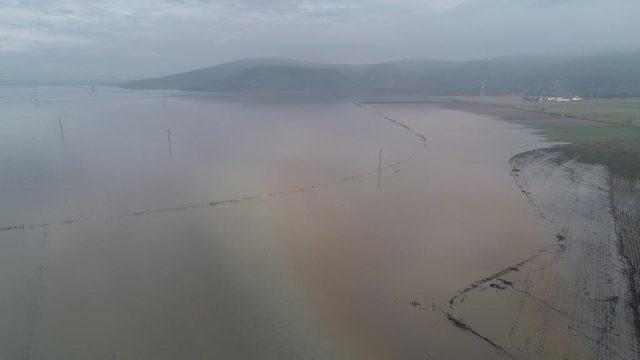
{"x": 615, "y": 142}
{"x": 615, "y": 111}
{"x": 625, "y": 112}
{"x": 616, "y": 146}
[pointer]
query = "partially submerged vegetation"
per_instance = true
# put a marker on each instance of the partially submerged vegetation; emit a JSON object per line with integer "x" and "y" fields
{"x": 618, "y": 111}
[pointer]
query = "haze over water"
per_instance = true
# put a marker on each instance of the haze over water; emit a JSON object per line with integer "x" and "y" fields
{"x": 323, "y": 264}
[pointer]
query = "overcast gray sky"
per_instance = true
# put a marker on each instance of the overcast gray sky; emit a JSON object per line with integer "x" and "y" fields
{"x": 139, "y": 38}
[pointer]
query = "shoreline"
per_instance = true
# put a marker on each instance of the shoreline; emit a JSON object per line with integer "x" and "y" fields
{"x": 624, "y": 194}
{"x": 598, "y": 278}
{"x": 522, "y": 116}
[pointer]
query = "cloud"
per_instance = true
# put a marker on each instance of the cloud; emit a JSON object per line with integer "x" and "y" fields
{"x": 152, "y": 37}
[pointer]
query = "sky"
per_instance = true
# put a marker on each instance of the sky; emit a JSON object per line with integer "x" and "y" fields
{"x": 126, "y": 39}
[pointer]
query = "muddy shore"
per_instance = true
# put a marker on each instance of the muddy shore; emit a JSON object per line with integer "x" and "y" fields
{"x": 586, "y": 267}
{"x": 620, "y": 196}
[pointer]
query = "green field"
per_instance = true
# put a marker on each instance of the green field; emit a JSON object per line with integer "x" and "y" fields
{"x": 615, "y": 143}
{"x": 625, "y": 112}
{"x": 592, "y": 134}
{"x": 616, "y": 146}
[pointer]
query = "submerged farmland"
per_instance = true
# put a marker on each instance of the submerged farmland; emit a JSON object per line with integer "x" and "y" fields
{"x": 276, "y": 228}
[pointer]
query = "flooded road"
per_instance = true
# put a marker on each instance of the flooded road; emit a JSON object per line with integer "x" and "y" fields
{"x": 264, "y": 235}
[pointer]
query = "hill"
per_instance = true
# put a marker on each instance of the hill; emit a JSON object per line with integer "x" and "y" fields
{"x": 200, "y": 78}
{"x": 601, "y": 76}
{"x": 276, "y": 78}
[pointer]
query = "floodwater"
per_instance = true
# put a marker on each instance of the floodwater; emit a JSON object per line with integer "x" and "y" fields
{"x": 263, "y": 235}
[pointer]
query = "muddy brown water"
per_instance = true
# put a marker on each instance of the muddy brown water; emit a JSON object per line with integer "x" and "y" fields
{"x": 310, "y": 259}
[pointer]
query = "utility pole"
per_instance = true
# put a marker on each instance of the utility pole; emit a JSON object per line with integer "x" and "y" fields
{"x": 539, "y": 104}
{"x": 379, "y": 166}
{"x": 61, "y": 130}
{"x": 169, "y": 140}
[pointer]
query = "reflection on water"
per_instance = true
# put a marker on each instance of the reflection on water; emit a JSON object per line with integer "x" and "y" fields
{"x": 325, "y": 273}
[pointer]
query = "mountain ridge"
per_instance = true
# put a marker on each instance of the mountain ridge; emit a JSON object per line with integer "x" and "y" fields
{"x": 603, "y": 75}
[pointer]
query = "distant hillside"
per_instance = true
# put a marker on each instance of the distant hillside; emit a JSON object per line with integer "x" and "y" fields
{"x": 202, "y": 77}
{"x": 276, "y": 78}
{"x": 600, "y": 76}
{"x": 615, "y": 75}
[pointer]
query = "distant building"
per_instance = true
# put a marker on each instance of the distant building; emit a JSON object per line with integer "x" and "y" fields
{"x": 531, "y": 97}
{"x": 559, "y": 98}
{"x": 541, "y": 97}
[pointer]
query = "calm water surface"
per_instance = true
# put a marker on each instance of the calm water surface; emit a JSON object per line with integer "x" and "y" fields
{"x": 130, "y": 261}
